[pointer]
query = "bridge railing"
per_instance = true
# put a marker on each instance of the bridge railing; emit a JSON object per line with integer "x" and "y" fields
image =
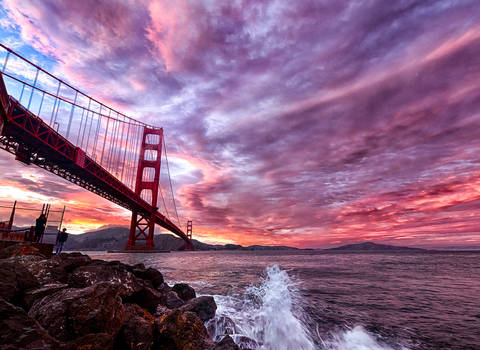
{"x": 108, "y": 136}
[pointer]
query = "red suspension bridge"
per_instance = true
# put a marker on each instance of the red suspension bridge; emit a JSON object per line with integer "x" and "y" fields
{"x": 46, "y": 122}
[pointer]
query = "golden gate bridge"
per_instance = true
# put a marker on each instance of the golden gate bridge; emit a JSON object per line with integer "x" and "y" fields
{"x": 46, "y": 122}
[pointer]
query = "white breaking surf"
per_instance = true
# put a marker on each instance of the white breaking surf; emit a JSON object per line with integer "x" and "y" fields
{"x": 269, "y": 317}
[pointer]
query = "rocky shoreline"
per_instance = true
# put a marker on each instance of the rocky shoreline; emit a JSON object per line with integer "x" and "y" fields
{"x": 74, "y": 302}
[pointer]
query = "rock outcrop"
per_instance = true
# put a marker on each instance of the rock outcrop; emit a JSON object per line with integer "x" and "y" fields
{"x": 74, "y": 312}
{"x": 184, "y": 291}
{"x": 204, "y": 307}
{"x": 181, "y": 330}
{"x": 73, "y": 302}
{"x": 19, "y": 331}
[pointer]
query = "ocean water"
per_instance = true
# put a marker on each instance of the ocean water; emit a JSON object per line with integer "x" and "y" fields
{"x": 309, "y": 300}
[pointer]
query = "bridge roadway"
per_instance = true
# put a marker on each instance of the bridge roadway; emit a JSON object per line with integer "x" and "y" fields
{"x": 33, "y": 141}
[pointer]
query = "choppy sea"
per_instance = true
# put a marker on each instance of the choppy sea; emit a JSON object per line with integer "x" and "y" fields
{"x": 306, "y": 300}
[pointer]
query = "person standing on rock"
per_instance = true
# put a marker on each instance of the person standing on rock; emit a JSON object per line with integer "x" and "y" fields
{"x": 61, "y": 239}
{"x": 40, "y": 227}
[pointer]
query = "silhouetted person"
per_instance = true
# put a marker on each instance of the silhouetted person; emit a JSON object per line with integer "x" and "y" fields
{"x": 40, "y": 227}
{"x": 61, "y": 239}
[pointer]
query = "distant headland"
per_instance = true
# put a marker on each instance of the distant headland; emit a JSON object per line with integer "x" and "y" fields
{"x": 373, "y": 247}
{"x": 114, "y": 238}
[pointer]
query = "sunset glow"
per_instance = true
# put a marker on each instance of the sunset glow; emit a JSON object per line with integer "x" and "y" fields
{"x": 309, "y": 124}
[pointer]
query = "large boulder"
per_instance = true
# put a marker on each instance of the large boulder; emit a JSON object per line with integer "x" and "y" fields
{"x": 19, "y": 331}
{"x": 70, "y": 261}
{"x": 184, "y": 291}
{"x": 54, "y": 270}
{"x": 15, "y": 280}
{"x": 172, "y": 301}
{"x": 20, "y": 249}
{"x": 32, "y": 295}
{"x": 74, "y": 312}
{"x": 137, "y": 329}
{"x": 205, "y": 307}
{"x": 91, "y": 274}
{"x": 150, "y": 274}
{"x": 179, "y": 330}
{"x": 164, "y": 288}
{"x": 46, "y": 271}
{"x": 226, "y": 343}
{"x": 150, "y": 299}
{"x": 91, "y": 341}
{"x": 147, "y": 298}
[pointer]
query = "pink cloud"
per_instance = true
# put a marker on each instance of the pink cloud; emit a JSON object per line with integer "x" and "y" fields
{"x": 293, "y": 127}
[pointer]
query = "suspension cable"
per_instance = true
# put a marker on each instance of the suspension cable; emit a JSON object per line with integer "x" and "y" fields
{"x": 163, "y": 200}
{"x": 170, "y": 180}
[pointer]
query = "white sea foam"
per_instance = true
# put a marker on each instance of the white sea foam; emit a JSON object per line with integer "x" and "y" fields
{"x": 356, "y": 338}
{"x": 269, "y": 317}
{"x": 264, "y": 317}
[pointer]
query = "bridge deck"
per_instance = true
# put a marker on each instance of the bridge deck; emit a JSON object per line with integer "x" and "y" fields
{"x": 33, "y": 141}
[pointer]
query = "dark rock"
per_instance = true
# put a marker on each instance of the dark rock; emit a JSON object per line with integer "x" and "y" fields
{"x": 164, "y": 288}
{"x": 72, "y": 313}
{"x": 54, "y": 270}
{"x": 226, "y": 343}
{"x": 91, "y": 274}
{"x": 172, "y": 301}
{"x": 137, "y": 329}
{"x": 32, "y": 295}
{"x": 92, "y": 341}
{"x": 19, "y": 331}
{"x": 46, "y": 271}
{"x": 20, "y": 249}
{"x": 161, "y": 310}
{"x": 184, "y": 291}
{"x": 149, "y": 274}
{"x": 70, "y": 261}
{"x": 15, "y": 280}
{"x": 180, "y": 330}
{"x": 204, "y": 307}
{"x": 147, "y": 298}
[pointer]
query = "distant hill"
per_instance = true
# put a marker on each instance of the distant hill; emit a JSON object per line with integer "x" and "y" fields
{"x": 115, "y": 238}
{"x": 370, "y": 246}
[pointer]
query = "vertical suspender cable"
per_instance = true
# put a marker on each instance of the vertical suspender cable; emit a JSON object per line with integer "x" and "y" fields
{"x": 170, "y": 179}
{"x": 119, "y": 148}
{"x": 80, "y": 128}
{"x": 71, "y": 114}
{"x": 125, "y": 151}
{"x": 41, "y": 103}
{"x": 99, "y": 125}
{"x": 104, "y": 137}
{"x": 86, "y": 118}
{"x": 5, "y": 62}
{"x": 55, "y": 103}
{"x": 112, "y": 143}
{"x": 89, "y": 132}
{"x": 33, "y": 87}
{"x": 128, "y": 163}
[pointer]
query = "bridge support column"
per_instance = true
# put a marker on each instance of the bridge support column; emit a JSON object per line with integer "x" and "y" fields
{"x": 142, "y": 227}
{"x": 188, "y": 244}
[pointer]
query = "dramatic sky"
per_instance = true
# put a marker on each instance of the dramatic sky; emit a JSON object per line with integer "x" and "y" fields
{"x": 309, "y": 123}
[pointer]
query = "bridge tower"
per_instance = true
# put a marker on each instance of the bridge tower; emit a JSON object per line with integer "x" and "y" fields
{"x": 142, "y": 226}
{"x": 188, "y": 245}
